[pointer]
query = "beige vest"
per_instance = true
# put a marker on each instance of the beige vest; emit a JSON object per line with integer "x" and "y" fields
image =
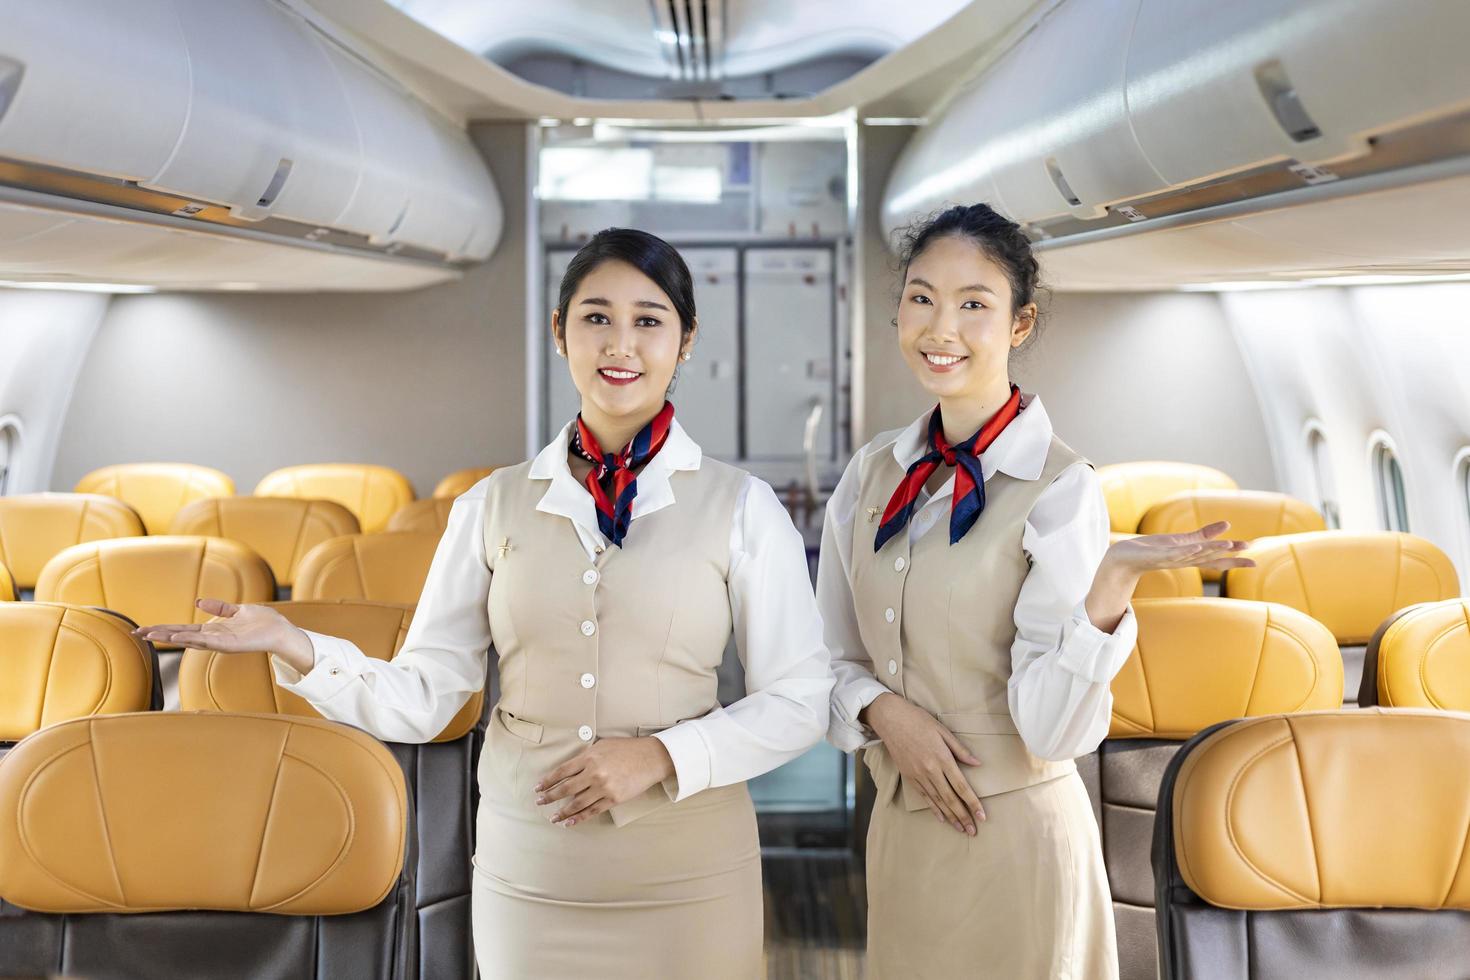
{"x": 624, "y": 645}
{"x": 939, "y": 620}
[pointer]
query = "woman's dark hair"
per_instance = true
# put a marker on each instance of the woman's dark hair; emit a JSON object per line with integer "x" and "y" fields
{"x": 649, "y": 254}
{"x": 1001, "y": 239}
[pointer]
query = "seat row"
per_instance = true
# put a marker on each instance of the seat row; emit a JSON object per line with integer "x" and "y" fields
{"x": 373, "y": 495}
{"x": 191, "y": 822}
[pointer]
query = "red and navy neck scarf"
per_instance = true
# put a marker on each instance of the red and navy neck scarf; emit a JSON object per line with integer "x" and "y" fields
{"x": 969, "y": 481}
{"x": 611, "y": 481}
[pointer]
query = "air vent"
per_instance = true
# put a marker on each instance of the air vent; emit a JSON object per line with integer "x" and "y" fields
{"x": 1285, "y": 105}
{"x": 10, "y": 74}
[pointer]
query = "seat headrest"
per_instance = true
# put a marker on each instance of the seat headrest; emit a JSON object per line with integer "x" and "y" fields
{"x": 1201, "y": 661}
{"x": 279, "y": 529}
{"x": 1348, "y": 580}
{"x": 427, "y": 516}
{"x": 1420, "y": 658}
{"x": 164, "y": 811}
{"x": 1252, "y": 514}
{"x": 34, "y": 527}
{"x": 1355, "y": 808}
{"x": 156, "y": 579}
{"x": 1130, "y": 489}
{"x": 211, "y": 681}
{"x": 1165, "y": 583}
{"x": 386, "y": 567}
{"x": 7, "y": 585}
{"x": 372, "y": 493}
{"x": 459, "y": 481}
{"x": 59, "y": 662}
{"x": 157, "y": 490}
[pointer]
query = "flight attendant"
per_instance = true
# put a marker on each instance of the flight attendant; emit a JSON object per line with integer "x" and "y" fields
{"x": 615, "y": 835}
{"x": 976, "y": 615}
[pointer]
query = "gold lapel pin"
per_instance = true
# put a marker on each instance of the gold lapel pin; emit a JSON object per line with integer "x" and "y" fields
{"x": 873, "y": 513}
{"x": 505, "y": 547}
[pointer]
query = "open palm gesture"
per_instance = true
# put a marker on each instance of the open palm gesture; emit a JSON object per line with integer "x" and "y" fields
{"x": 236, "y": 629}
{"x": 1202, "y": 548}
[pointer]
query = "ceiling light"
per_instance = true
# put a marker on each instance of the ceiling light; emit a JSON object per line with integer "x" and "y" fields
{"x": 80, "y": 287}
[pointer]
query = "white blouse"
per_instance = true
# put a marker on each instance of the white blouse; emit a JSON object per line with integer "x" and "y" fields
{"x": 1061, "y": 665}
{"x": 778, "y": 632}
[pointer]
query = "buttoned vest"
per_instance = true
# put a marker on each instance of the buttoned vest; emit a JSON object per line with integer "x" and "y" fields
{"x": 624, "y": 645}
{"x": 938, "y": 621}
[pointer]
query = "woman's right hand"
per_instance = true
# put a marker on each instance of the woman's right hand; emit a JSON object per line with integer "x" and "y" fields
{"x": 928, "y": 757}
{"x": 238, "y": 629}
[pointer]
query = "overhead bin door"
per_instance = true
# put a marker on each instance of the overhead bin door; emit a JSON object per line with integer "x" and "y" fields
{"x": 789, "y": 344}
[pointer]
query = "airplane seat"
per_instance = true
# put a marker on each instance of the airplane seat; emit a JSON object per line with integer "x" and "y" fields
{"x": 1130, "y": 489}
{"x": 1197, "y": 661}
{"x": 1351, "y": 581}
{"x": 1420, "y": 658}
{"x": 174, "y": 846}
{"x": 279, "y": 529}
{"x": 35, "y": 527}
{"x": 1252, "y": 514}
{"x": 1165, "y": 583}
{"x": 60, "y": 661}
{"x": 7, "y": 584}
{"x": 459, "y": 481}
{"x": 428, "y": 516}
{"x": 372, "y": 493}
{"x": 157, "y": 490}
{"x": 440, "y": 774}
{"x": 1320, "y": 845}
{"x": 156, "y": 580}
{"x": 387, "y": 567}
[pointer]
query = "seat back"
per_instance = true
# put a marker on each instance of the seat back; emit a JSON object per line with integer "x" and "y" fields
{"x": 1130, "y": 489}
{"x": 7, "y": 585}
{"x": 1329, "y": 844}
{"x": 372, "y": 493}
{"x": 1420, "y": 658}
{"x": 1197, "y": 662}
{"x": 439, "y": 774}
{"x": 279, "y": 529}
{"x": 427, "y": 516}
{"x": 157, "y": 580}
{"x": 35, "y": 527}
{"x": 387, "y": 567}
{"x": 175, "y": 845}
{"x": 59, "y": 662}
{"x": 1252, "y": 514}
{"x": 459, "y": 481}
{"x": 157, "y": 490}
{"x": 1349, "y": 581}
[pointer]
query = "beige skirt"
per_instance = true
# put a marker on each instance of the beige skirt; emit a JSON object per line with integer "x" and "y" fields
{"x": 1026, "y": 898}
{"x": 674, "y": 893}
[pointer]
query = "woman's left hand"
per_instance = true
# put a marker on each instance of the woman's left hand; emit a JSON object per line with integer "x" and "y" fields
{"x": 1203, "y": 548}
{"x": 609, "y": 772}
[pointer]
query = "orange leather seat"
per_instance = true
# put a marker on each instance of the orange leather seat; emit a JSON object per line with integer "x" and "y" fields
{"x": 35, "y": 527}
{"x": 157, "y": 580}
{"x": 1329, "y": 844}
{"x": 1349, "y": 581}
{"x": 7, "y": 585}
{"x": 1198, "y": 661}
{"x": 428, "y": 516}
{"x": 1420, "y": 658}
{"x": 279, "y": 529}
{"x": 459, "y": 481}
{"x": 372, "y": 493}
{"x": 157, "y": 490}
{"x": 387, "y": 567}
{"x": 59, "y": 662}
{"x": 1132, "y": 488}
{"x": 1252, "y": 514}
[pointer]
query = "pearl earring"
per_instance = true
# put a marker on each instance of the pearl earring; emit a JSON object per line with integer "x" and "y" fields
{"x": 685, "y": 356}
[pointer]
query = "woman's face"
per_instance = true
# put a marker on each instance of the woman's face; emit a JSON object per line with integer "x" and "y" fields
{"x": 622, "y": 340}
{"x": 956, "y": 327}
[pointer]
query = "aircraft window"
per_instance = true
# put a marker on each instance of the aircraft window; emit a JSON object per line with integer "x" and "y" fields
{"x": 1393, "y": 509}
{"x": 9, "y": 444}
{"x": 1322, "y": 472}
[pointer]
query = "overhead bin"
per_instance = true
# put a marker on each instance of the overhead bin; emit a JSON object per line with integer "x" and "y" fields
{"x": 92, "y": 86}
{"x": 244, "y": 105}
{"x": 1106, "y": 103}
